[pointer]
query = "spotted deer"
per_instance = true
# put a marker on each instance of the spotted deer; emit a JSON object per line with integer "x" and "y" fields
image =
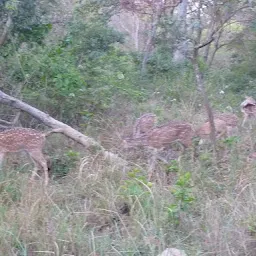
{"x": 248, "y": 108}
{"x": 231, "y": 121}
{"x": 161, "y": 137}
{"x": 144, "y": 124}
{"x": 204, "y": 130}
{"x": 29, "y": 140}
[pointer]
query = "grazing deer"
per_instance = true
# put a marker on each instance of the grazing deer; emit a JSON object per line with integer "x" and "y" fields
{"x": 161, "y": 137}
{"x": 204, "y": 131}
{"x": 29, "y": 140}
{"x": 144, "y": 124}
{"x": 248, "y": 108}
{"x": 231, "y": 121}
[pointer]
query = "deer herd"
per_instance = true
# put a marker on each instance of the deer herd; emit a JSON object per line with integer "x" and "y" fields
{"x": 146, "y": 133}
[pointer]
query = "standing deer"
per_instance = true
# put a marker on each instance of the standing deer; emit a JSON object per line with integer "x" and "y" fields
{"x": 161, "y": 137}
{"x": 29, "y": 140}
{"x": 248, "y": 108}
{"x": 144, "y": 124}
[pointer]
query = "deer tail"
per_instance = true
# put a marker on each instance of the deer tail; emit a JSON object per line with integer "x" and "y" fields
{"x": 58, "y": 130}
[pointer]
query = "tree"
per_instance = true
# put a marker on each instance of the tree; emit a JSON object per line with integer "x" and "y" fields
{"x": 180, "y": 52}
{"x": 152, "y": 10}
{"x": 218, "y": 14}
{"x": 23, "y": 20}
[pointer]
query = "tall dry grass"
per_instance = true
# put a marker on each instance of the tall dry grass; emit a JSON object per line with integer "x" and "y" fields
{"x": 102, "y": 208}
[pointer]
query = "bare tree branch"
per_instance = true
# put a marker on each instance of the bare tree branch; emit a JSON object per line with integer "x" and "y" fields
{"x": 205, "y": 43}
{"x": 51, "y": 122}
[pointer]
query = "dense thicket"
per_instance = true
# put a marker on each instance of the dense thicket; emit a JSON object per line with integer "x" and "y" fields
{"x": 89, "y": 68}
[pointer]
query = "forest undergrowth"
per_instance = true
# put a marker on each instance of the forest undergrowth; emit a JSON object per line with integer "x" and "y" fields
{"x": 94, "y": 207}
{"x": 97, "y": 66}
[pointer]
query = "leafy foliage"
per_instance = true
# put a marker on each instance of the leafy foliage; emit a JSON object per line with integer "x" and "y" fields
{"x": 82, "y": 75}
{"x": 183, "y": 196}
{"x": 61, "y": 165}
{"x": 33, "y": 33}
{"x": 27, "y": 24}
{"x": 92, "y": 40}
{"x": 242, "y": 75}
{"x": 136, "y": 184}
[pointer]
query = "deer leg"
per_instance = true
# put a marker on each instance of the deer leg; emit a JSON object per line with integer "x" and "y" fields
{"x": 1, "y": 159}
{"x": 40, "y": 160}
{"x": 152, "y": 163}
{"x": 233, "y": 131}
{"x": 244, "y": 120}
{"x": 34, "y": 172}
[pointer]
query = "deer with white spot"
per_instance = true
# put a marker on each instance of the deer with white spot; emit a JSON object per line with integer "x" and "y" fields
{"x": 29, "y": 140}
{"x": 161, "y": 138}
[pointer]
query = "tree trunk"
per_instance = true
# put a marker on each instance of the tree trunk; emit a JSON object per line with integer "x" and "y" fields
{"x": 200, "y": 80}
{"x": 157, "y": 11}
{"x": 51, "y": 122}
{"x": 180, "y": 53}
{"x": 201, "y": 86}
{"x": 6, "y": 29}
{"x": 136, "y": 32}
{"x": 151, "y": 36}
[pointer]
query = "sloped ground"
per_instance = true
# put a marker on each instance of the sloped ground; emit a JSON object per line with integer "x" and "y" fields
{"x": 96, "y": 208}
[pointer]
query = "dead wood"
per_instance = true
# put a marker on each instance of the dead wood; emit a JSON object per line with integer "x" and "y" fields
{"x": 55, "y": 124}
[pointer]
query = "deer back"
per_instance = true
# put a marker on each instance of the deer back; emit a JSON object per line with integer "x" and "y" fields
{"x": 204, "y": 131}
{"x": 163, "y": 136}
{"x": 17, "y": 139}
{"x": 230, "y": 119}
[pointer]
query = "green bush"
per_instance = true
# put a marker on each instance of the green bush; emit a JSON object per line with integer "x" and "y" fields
{"x": 61, "y": 165}
{"x": 75, "y": 80}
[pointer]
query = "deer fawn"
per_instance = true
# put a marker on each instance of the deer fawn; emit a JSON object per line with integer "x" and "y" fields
{"x": 29, "y": 140}
{"x": 144, "y": 124}
{"x": 248, "y": 108}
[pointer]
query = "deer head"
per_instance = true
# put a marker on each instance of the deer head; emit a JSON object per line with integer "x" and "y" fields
{"x": 144, "y": 124}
